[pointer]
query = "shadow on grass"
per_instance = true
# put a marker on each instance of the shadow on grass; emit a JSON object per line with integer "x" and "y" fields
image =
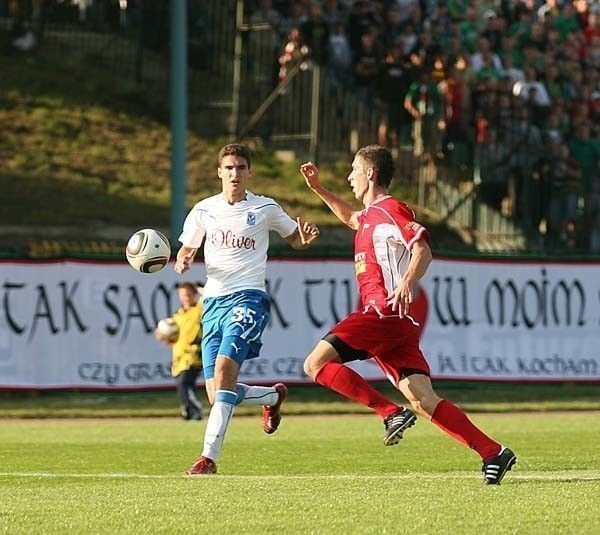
{"x": 75, "y": 204}
{"x": 475, "y": 398}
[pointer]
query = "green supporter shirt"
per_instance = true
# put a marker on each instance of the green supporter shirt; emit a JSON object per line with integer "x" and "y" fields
{"x": 566, "y": 25}
{"x": 431, "y": 105}
{"x": 522, "y": 30}
{"x": 587, "y": 153}
{"x": 489, "y": 72}
{"x": 457, "y": 9}
{"x": 469, "y": 34}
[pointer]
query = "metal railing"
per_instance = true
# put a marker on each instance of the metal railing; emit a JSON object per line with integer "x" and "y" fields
{"x": 234, "y": 90}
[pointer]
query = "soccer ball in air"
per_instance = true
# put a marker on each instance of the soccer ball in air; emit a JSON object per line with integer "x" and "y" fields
{"x": 168, "y": 329}
{"x": 148, "y": 250}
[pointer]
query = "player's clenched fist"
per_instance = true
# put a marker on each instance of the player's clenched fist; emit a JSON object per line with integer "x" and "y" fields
{"x": 185, "y": 257}
{"x": 181, "y": 266}
{"x": 310, "y": 172}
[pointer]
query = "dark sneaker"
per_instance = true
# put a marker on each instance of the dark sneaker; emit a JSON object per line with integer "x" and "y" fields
{"x": 197, "y": 415}
{"x": 271, "y": 415}
{"x": 202, "y": 466}
{"x": 396, "y": 424}
{"x": 495, "y": 469}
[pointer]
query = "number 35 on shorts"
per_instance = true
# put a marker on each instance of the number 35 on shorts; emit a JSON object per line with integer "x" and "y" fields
{"x": 247, "y": 322}
{"x": 243, "y": 315}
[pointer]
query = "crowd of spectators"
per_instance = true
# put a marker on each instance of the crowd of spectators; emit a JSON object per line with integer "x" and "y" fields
{"x": 511, "y": 88}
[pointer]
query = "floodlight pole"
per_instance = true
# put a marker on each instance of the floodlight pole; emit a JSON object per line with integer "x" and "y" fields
{"x": 178, "y": 98}
{"x": 237, "y": 71}
{"x": 314, "y": 112}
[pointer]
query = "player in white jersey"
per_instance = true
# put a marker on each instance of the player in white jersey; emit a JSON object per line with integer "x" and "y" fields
{"x": 234, "y": 227}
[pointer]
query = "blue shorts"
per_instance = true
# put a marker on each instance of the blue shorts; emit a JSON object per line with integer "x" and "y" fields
{"x": 232, "y": 325}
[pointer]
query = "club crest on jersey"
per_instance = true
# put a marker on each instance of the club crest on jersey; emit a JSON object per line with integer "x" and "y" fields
{"x": 251, "y": 218}
{"x": 360, "y": 263}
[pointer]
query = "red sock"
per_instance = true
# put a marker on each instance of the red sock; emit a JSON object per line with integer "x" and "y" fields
{"x": 348, "y": 383}
{"x": 450, "y": 419}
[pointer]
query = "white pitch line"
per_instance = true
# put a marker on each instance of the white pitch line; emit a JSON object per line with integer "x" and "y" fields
{"x": 587, "y": 475}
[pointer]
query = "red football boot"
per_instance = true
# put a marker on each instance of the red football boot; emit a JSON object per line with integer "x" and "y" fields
{"x": 271, "y": 415}
{"x": 203, "y": 466}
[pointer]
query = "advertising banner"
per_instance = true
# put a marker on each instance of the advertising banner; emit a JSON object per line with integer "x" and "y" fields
{"x": 88, "y": 325}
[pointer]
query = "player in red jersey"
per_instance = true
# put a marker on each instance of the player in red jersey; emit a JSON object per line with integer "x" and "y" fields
{"x": 391, "y": 255}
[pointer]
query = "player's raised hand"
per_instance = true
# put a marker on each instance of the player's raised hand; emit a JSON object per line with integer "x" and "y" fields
{"x": 310, "y": 172}
{"x": 307, "y": 231}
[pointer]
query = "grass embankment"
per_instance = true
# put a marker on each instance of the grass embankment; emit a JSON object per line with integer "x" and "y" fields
{"x": 81, "y": 150}
{"x": 301, "y": 400}
{"x": 84, "y": 141}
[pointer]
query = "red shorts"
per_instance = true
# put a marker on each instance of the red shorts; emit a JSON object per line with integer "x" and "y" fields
{"x": 392, "y": 342}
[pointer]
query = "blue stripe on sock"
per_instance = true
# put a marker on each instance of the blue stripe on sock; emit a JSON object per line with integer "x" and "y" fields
{"x": 226, "y": 396}
{"x": 241, "y": 392}
{"x": 261, "y": 396}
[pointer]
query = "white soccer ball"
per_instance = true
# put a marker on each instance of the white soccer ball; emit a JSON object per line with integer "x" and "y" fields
{"x": 148, "y": 250}
{"x": 168, "y": 328}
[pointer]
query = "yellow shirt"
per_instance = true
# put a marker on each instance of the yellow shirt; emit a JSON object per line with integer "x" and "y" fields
{"x": 186, "y": 350}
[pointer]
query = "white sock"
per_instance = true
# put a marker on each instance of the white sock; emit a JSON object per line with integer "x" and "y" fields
{"x": 216, "y": 427}
{"x": 256, "y": 395}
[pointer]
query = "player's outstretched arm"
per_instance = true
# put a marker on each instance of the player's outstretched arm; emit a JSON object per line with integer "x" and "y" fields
{"x": 304, "y": 235}
{"x": 185, "y": 257}
{"x": 344, "y": 211}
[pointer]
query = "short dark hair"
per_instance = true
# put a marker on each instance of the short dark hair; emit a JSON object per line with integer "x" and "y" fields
{"x": 235, "y": 149}
{"x": 380, "y": 158}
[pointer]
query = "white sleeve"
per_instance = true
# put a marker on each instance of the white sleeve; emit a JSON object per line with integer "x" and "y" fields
{"x": 543, "y": 98}
{"x": 497, "y": 62}
{"x": 281, "y": 222}
{"x": 193, "y": 229}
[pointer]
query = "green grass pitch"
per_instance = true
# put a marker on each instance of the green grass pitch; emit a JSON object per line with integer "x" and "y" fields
{"x": 317, "y": 474}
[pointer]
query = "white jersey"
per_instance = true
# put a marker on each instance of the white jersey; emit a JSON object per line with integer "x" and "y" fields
{"x": 237, "y": 240}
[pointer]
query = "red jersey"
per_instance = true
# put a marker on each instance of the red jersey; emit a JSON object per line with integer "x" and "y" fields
{"x": 385, "y": 236}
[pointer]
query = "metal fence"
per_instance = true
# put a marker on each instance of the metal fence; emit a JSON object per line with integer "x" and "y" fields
{"x": 307, "y": 112}
{"x": 236, "y": 89}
